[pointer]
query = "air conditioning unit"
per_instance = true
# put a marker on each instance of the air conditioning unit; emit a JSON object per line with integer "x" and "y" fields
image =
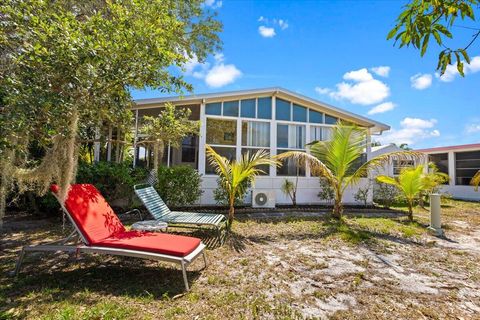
{"x": 263, "y": 199}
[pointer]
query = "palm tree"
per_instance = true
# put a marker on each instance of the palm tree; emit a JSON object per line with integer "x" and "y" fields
{"x": 476, "y": 180}
{"x": 339, "y": 160}
{"x": 233, "y": 174}
{"x": 410, "y": 182}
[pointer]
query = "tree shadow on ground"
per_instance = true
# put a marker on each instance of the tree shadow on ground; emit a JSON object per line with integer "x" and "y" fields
{"x": 65, "y": 278}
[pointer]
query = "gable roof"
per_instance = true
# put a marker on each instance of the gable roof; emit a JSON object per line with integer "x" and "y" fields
{"x": 375, "y": 126}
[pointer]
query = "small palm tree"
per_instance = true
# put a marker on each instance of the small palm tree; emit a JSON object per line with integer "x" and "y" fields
{"x": 476, "y": 180}
{"x": 233, "y": 174}
{"x": 410, "y": 182}
{"x": 339, "y": 160}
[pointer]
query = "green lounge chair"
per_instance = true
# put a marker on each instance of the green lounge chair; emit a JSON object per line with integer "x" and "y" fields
{"x": 159, "y": 211}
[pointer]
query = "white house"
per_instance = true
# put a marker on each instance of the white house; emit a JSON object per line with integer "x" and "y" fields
{"x": 273, "y": 119}
{"x": 460, "y": 162}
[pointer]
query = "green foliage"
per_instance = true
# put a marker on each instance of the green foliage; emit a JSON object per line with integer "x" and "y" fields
{"x": 235, "y": 175}
{"x": 73, "y": 63}
{"x": 114, "y": 180}
{"x": 384, "y": 194}
{"x": 339, "y": 160}
{"x": 476, "y": 180}
{"x": 362, "y": 194}
{"x": 170, "y": 127}
{"x": 326, "y": 192}
{"x": 410, "y": 183}
{"x": 290, "y": 189}
{"x": 179, "y": 185}
{"x": 422, "y": 21}
{"x": 220, "y": 195}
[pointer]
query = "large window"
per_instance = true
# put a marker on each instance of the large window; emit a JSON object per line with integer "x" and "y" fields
{"x": 222, "y": 132}
{"x": 290, "y": 167}
{"x": 255, "y": 134}
{"x": 226, "y": 152}
{"x": 248, "y": 108}
{"x": 440, "y": 160}
{"x": 264, "y": 110}
{"x": 283, "y": 111}
{"x": 466, "y": 165}
{"x": 320, "y": 133}
{"x": 399, "y": 165}
{"x": 291, "y": 136}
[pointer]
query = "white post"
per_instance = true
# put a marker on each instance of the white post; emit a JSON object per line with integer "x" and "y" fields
{"x": 202, "y": 139}
{"x": 435, "y": 215}
{"x": 451, "y": 168}
{"x": 273, "y": 136}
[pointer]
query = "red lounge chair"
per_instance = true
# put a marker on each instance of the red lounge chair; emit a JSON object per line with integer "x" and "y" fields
{"x": 98, "y": 230}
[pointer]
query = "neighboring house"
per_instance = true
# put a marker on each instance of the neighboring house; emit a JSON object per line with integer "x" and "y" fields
{"x": 394, "y": 166}
{"x": 233, "y": 123}
{"x": 460, "y": 162}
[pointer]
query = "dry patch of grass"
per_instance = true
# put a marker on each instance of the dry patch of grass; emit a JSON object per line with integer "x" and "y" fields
{"x": 364, "y": 267}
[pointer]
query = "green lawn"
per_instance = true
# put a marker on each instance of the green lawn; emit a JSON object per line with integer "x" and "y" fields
{"x": 287, "y": 269}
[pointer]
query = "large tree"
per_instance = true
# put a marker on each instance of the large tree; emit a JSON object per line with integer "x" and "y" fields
{"x": 425, "y": 20}
{"x": 68, "y": 62}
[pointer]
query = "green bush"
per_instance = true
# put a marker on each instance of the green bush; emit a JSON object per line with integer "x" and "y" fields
{"x": 114, "y": 180}
{"x": 326, "y": 192}
{"x": 179, "y": 185}
{"x": 221, "y": 197}
{"x": 385, "y": 194}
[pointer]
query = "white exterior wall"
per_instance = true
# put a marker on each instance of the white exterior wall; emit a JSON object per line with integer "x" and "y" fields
{"x": 307, "y": 191}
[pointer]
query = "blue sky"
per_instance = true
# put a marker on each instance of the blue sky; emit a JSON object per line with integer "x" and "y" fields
{"x": 331, "y": 51}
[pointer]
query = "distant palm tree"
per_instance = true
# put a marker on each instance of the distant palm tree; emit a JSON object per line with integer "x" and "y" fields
{"x": 339, "y": 160}
{"x": 410, "y": 182}
{"x": 476, "y": 180}
{"x": 233, "y": 174}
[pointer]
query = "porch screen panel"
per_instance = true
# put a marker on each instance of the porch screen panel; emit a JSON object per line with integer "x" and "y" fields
{"x": 223, "y": 132}
{"x": 255, "y": 134}
{"x": 467, "y": 165}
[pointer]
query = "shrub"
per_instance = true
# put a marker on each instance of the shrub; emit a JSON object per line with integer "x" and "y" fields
{"x": 385, "y": 194}
{"x": 179, "y": 185}
{"x": 326, "y": 191}
{"x": 362, "y": 194}
{"x": 221, "y": 197}
{"x": 114, "y": 180}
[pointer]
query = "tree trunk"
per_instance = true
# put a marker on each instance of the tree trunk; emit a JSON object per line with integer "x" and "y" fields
{"x": 157, "y": 156}
{"x": 410, "y": 211}
{"x": 231, "y": 212}
{"x": 338, "y": 206}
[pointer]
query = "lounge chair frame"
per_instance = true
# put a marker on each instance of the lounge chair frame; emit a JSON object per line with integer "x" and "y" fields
{"x": 188, "y": 222}
{"x": 81, "y": 246}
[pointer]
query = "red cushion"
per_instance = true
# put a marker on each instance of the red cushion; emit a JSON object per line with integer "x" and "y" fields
{"x": 91, "y": 213}
{"x": 168, "y": 244}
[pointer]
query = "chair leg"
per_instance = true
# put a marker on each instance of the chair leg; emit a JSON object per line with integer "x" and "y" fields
{"x": 18, "y": 265}
{"x": 185, "y": 280}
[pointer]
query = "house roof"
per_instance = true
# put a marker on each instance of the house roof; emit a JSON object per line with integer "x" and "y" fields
{"x": 375, "y": 126}
{"x": 451, "y": 148}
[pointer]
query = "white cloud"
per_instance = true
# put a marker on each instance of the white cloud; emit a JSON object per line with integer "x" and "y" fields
{"x": 358, "y": 75}
{"x": 282, "y": 24}
{"x": 321, "y": 90}
{"x": 221, "y": 75}
{"x": 411, "y": 131}
{"x": 382, "y": 71}
{"x": 261, "y": 19}
{"x": 472, "y": 128}
{"x": 363, "y": 88}
{"x": 381, "y": 108}
{"x": 451, "y": 72}
{"x": 266, "y": 32}
{"x": 214, "y": 4}
{"x": 421, "y": 81}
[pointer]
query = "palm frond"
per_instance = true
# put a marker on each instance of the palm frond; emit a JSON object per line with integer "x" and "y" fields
{"x": 476, "y": 180}
{"x": 317, "y": 167}
{"x": 379, "y": 162}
